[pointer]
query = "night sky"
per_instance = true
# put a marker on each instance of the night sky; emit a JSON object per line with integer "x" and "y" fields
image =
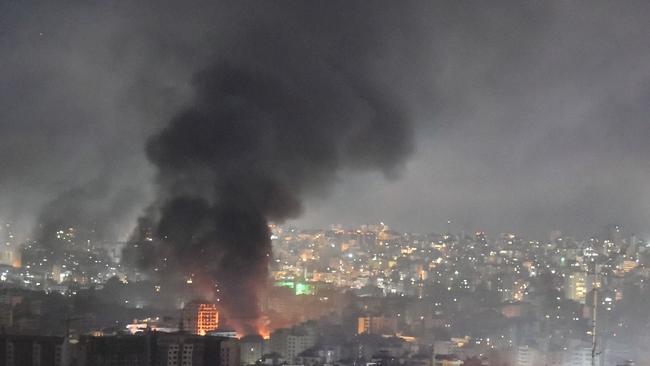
{"x": 522, "y": 116}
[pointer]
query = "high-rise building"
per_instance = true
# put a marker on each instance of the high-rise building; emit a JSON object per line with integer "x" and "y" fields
{"x": 579, "y": 357}
{"x": 289, "y": 343}
{"x": 577, "y": 285}
{"x": 200, "y": 318}
{"x": 153, "y": 348}
{"x": 529, "y": 356}
{"x": 30, "y": 350}
{"x": 297, "y": 343}
{"x": 230, "y": 352}
{"x": 251, "y": 349}
{"x": 115, "y": 351}
{"x": 376, "y": 325}
{"x": 9, "y": 256}
{"x": 278, "y": 341}
{"x": 445, "y": 348}
{"x": 9, "y": 253}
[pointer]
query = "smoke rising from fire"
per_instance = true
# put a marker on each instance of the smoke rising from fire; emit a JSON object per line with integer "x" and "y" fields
{"x": 271, "y": 122}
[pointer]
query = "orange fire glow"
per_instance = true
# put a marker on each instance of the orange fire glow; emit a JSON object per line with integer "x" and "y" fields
{"x": 261, "y": 327}
{"x": 207, "y": 318}
{"x": 264, "y": 331}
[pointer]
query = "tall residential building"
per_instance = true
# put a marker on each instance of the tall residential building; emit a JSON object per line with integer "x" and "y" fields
{"x": 577, "y": 285}
{"x": 579, "y": 357}
{"x": 200, "y": 318}
{"x": 251, "y": 349}
{"x": 152, "y": 349}
{"x": 298, "y": 343}
{"x": 115, "y": 351}
{"x": 376, "y": 325}
{"x": 9, "y": 256}
{"x": 529, "y": 356}
{"x": 289, "y": 343}
{"x": 445, "y": 348}
{"x": 30, "y": 350}
{"x": 230, "y": 352}
{"x": 9, "y": 252}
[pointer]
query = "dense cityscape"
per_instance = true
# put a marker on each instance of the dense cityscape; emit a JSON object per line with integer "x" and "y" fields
{"x": 344, "y": 296}
{"x": 324, "y": 183}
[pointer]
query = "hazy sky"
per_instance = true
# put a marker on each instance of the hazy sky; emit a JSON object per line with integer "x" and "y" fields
{"x": 527, "y": 116}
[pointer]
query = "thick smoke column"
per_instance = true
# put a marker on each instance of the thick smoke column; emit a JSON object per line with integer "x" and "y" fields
{"x": 269, "y": 124}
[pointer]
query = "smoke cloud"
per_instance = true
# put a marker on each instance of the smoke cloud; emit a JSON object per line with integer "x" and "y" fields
{"x": 271, "y": 122}
{"x": 92, "y": 211}
{"x": 530, "y": 117}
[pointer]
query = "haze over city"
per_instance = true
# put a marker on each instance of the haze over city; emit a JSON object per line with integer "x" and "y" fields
{"x": 381, "y": 183}
{"x": 527, "y": 117}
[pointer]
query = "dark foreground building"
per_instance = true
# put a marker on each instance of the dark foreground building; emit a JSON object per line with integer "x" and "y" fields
{"x": 24, "y": 350}
{"x": 149, "y": 349}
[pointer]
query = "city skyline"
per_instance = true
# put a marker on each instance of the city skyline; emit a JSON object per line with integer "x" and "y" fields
{"x": 324, "y": 183}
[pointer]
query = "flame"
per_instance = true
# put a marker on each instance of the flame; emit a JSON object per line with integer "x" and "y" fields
{"x": 259, "y": 326}
{"x": 263, "y": 328}
{"x": 264, "y": 331}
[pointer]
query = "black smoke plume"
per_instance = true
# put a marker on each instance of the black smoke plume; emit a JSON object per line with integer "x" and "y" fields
{"x": 271, "y": 122}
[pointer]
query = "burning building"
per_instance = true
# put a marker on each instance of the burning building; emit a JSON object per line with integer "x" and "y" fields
{"x": 200, "y": 318}
{"x": 271, "y": 122}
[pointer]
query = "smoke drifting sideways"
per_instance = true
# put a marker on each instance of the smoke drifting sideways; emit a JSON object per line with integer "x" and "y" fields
{"x": 90, "y": 212}
{"x": 270, "y": 123}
